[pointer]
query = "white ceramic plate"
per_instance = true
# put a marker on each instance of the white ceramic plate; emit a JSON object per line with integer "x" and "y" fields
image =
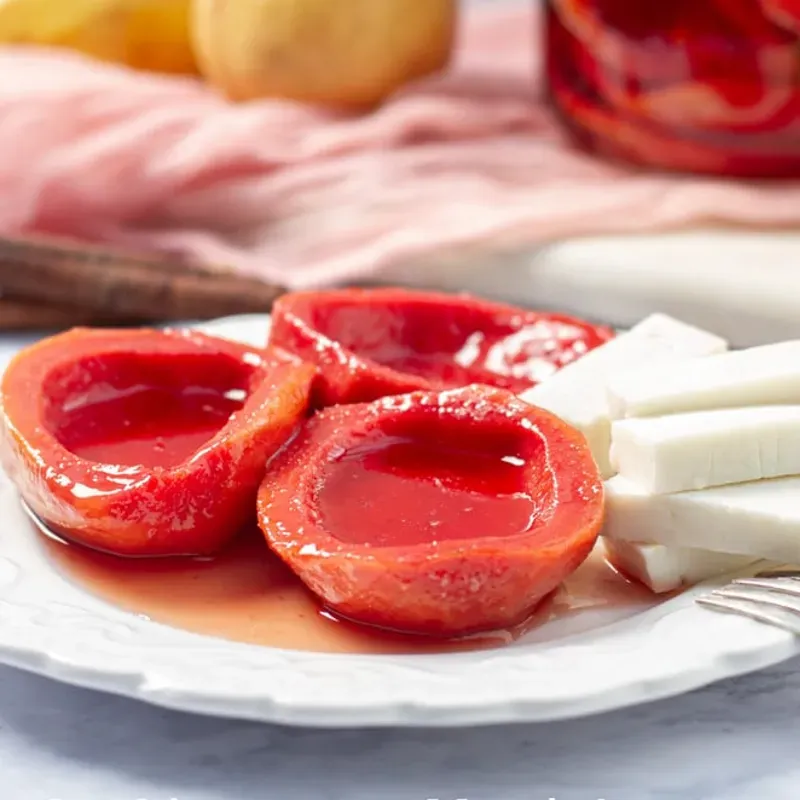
{"x": 50, "y": 626}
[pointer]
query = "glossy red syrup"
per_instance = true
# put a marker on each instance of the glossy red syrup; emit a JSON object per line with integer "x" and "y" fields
{"x": 435, "y": 513}
{"x": 246, "y": 594}
{"x": 509, "y": 355}
{"x": 143, "y": 442}
{"x": 403, "y": 492}
{"x": 373, "y": 343}
{"x": 148, "y": 426}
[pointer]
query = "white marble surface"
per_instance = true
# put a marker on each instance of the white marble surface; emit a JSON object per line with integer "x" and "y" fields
{"x": 746, "y": 289}
{"x": 733, "y": 741}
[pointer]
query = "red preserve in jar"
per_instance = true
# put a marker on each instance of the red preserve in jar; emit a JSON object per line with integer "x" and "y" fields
{"x": 710, "y": 86}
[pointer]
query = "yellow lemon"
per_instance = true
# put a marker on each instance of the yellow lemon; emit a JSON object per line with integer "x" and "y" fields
{"x": 145, "y": 34}
{"x": 339, "y": 52}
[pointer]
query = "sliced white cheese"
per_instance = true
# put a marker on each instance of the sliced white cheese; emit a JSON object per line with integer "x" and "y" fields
{"x": 759, "y": 376}
{"x": 664, "y": 569}
{"x": 681, "y": 452}
{"x": 759, "y": 519}
{"x": 577, "y": 393}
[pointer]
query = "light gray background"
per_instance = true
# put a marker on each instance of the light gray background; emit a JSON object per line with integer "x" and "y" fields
{"x": 736, "y": 741}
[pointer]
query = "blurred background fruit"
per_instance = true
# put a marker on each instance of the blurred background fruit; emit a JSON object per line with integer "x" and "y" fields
{"x": 347, "y": 53}
{"x": 144, "y": 34}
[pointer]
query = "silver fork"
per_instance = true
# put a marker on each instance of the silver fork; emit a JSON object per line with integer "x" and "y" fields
{"x": 772, "y": 597}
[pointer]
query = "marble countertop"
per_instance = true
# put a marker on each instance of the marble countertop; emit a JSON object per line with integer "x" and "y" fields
{"x": 736, "y": 740}
{"x": 746, "y": 291}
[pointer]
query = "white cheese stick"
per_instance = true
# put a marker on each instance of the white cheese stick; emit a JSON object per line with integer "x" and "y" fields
{"x": 577, "y": 393}
{"x": 664, "y": 569}
{"x": 759, "y": 376}
{"x": 682, "y": 452}
{"x": 759, "y": 519}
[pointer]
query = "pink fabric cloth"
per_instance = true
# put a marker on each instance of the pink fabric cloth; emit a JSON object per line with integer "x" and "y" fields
{"x": 309, "y": 198}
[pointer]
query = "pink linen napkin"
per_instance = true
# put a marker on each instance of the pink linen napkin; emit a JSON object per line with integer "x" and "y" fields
{"x": 307, "y": 197}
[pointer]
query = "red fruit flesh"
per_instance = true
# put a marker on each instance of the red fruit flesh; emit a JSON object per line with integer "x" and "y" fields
{"x": 143, "y": 442}
{"x": 372, "y": 343}
{"x": 439, "y": 514}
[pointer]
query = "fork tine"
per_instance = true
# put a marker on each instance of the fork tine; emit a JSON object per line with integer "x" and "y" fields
{"x": 749, "y": 608}
{"x": 760, "y": 598}
{"x": 778, "y": 585}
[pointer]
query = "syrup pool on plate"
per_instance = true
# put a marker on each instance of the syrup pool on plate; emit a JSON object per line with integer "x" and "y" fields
{"x": 387, "y": 491}
{"x": 246, "y": 594}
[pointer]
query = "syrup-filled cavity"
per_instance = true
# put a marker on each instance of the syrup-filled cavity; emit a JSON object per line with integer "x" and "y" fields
{"x": 455, "y": 344}
{"x": 434, "y": 478}
{"x": 151, "y": 411}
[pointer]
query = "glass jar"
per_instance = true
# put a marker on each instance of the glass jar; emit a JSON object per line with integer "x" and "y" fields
{"x": 709, "y": 86}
